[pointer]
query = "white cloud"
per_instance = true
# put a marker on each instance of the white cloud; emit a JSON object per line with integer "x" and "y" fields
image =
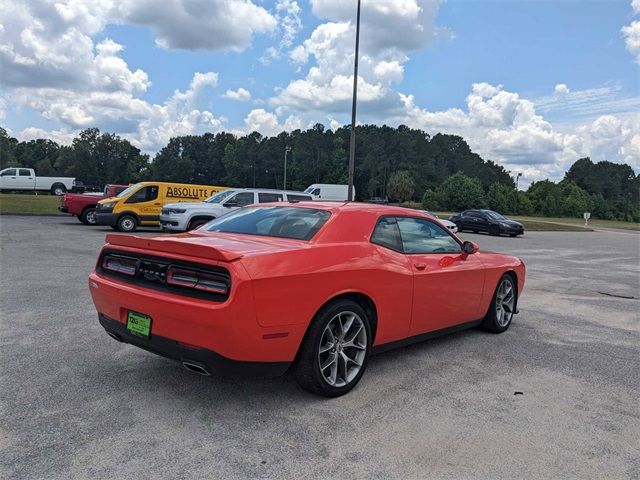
{"x": 588, "y": 104}
{"x": 240, "y": 94}
{"x": 199, "y": 24}
{"x": 3, "y": 108}
{"x": 390, "y": 29}
{"x": 631, "y": 34}
{"x": 635, "y": 4}
{"x": 267, "y": 123}
{"x": 561, "y": 89}
{"x": 502, "y": 126}
{"x": 289, "y": 25}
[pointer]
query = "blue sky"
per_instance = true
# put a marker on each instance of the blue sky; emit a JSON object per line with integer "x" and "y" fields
{"x": 532, "y": 85}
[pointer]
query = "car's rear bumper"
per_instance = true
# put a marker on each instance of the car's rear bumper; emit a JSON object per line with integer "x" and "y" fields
{"x": 208, "y": 360}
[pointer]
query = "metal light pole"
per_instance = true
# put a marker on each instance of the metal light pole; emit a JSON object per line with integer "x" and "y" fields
{"x": 287, "y": 149}
{"x": 517, "y": 179}
{"x": 352, "y": 144}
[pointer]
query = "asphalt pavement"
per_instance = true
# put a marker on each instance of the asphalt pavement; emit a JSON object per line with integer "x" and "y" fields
{"x": 75, "y": 404}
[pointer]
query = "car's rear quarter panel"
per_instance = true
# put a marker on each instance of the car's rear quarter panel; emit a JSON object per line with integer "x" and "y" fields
{"x": 326, "y": 271}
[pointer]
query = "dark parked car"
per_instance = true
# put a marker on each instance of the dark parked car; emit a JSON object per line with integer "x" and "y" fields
{"x": 486, "y": 221}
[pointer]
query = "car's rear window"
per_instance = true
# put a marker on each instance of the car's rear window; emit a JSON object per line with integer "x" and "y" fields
{"x": 284, "y": 222}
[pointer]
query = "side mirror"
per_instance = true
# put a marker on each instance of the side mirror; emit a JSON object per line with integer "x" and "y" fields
{"x": 470, "y": 248}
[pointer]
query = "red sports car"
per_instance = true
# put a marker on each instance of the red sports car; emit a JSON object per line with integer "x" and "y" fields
{"x": 313, "y": 286}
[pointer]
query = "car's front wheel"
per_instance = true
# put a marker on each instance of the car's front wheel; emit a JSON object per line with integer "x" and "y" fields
{"x": 334, "y": 353}
{"x": 503, "y": 306}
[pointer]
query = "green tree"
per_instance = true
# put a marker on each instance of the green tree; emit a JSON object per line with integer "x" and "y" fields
{"x": 401, "y": 186}
{"x": 460, "y": 192}
{"x": 501, "y": 198}
{"x": 431, "y": 200}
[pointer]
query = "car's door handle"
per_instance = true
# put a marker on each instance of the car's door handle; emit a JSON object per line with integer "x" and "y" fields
{"x": 420, "y": 266}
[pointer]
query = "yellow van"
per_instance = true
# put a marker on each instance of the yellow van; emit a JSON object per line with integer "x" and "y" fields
{"x": 141, "y": 204}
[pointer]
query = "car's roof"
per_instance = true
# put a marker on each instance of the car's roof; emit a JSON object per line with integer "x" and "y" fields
{"x": 351, "y": 206}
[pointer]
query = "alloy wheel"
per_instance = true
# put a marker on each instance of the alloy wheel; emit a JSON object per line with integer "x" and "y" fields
{"x": 343, "y": 349}
{"x": 505, "y": 302}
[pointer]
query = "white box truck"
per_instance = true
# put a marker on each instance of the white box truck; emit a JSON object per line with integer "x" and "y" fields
{"x": 329, "y": 191}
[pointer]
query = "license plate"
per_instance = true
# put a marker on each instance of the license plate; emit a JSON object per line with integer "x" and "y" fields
{"x": 139, "y": 324}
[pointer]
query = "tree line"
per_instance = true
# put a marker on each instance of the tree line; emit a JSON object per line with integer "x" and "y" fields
{"x": 401, "y": 163}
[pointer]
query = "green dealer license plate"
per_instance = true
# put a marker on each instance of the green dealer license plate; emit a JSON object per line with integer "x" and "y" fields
{"x": 139, "y": 324}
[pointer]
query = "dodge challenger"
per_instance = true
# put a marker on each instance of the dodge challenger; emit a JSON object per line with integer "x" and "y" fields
{"x": 312, "y": 286}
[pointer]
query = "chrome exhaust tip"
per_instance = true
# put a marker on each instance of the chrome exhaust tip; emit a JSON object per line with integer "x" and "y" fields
{"x": 196, "y": 368}
{"x": 115, "y": 336}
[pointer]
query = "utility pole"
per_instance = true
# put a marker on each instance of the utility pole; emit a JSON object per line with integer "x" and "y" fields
{"x": 287, "y": 149}
{"x": 352, "y": 144}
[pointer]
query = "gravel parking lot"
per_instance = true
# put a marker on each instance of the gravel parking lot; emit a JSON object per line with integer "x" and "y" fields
{"x": 76, "y": 404}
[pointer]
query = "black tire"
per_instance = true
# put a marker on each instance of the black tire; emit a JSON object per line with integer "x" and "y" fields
{"x": 127, "y": 223}
{"x": 58, "y": 189}
{"x": 88, "y": 216}
{"x": 197, "y": 222}
{"x": 307, "y": 365}
{"x": 459, "y": 225}
{"x": 494, "y": 230}
{"x": 491, "y": 321}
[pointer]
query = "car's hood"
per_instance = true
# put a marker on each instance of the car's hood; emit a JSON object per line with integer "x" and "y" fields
{"x": 216, "y": 246}
{"x": 191, "y": 205}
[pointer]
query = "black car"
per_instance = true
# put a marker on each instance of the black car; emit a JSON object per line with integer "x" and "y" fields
{"x": 486, "y": 221}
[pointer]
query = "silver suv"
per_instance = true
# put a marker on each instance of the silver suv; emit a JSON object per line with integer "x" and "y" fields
{"x": 180, "y": 217}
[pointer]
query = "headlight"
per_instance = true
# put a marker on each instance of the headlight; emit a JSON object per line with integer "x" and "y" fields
{"x": 107, "y": 205}
{"x": 176, "y": 210}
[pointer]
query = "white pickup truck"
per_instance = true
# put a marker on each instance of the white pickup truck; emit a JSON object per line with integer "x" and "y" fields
{"x": 26, "y": 179}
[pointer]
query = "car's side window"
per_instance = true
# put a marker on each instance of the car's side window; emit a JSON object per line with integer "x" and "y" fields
{"x": 24, "y": 172}
{"x": 145, "y": 194}
{"x": 9, "y": 173}
{"x": 298, "y": 198}
{"x": 241, "y": 199}
{"x": 266, "y": 197}
{"x": 423, "y": 236}
{"x": 387, "y": 234}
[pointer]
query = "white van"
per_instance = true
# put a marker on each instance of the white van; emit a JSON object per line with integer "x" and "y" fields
{"x": 328, "y": 191}
{"x": 180, "y": 217}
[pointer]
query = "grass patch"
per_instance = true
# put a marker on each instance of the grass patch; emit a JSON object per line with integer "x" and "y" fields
{"x": 39, "y": 204}
{"x": 535, "y": 226}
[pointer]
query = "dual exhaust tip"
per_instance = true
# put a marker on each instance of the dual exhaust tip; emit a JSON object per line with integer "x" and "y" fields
{"x": 192, "y": 366}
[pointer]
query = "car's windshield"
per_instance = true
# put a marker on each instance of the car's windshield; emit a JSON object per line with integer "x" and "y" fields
{"x": 220, "y": 196}
{"x": 309, "y": 190}
{"x": 495, "y": 215}
{"x": 127, "y": 191}
{"x": 284, "y": 222}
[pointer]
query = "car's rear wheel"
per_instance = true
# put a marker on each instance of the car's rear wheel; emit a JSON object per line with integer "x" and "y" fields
{"x": 88, "y": 216}
{"x": 494, "y": 230}
{"x": 334, "y": 353}
{"x": 503, "y": 306}
{"x": 127, "y": 223}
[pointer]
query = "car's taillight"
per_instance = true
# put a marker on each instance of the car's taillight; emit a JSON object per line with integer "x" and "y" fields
{"x": 197, "y": 280}
{"x": 124, "y": 265}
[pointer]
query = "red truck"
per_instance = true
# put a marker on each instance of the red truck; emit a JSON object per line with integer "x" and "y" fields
{"x": 83, "y": 205}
